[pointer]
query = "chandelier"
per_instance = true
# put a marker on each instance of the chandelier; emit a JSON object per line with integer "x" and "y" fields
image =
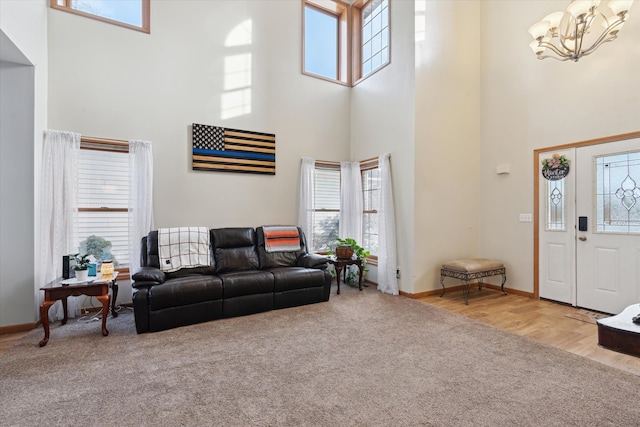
{"x": 574, "y": 33}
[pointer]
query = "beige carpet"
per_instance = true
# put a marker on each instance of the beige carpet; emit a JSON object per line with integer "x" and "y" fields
{"x": 361, "y": 359}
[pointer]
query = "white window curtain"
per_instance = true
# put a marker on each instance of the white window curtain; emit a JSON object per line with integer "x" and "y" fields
{"x": 140, "y": 198}
{"x": 351, "y": 201}
{"x": 306, "y": 211}
{"x": 58, "y": 210}
{"x": 387, "y": 281}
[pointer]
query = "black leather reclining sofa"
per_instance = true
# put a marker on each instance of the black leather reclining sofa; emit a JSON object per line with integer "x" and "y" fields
{"x": 243, "y": 278}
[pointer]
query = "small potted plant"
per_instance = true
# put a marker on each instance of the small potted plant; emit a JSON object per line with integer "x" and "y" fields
{"x": 352, "y": 249}
{"x": 81, "y": 267}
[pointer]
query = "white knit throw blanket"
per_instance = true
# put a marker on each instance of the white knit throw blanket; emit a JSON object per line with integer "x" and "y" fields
{"x": 183, "y": 247}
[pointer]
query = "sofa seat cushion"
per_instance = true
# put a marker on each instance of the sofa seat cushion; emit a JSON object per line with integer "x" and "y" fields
{"x": 290, "y": 278}
{"x": 185, "y": 291}
{"x": 250, "y": 282}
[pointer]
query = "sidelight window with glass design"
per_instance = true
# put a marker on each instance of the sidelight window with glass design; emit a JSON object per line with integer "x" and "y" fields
{"x": 618, "y": 193}
{"x": 555, "y": 206}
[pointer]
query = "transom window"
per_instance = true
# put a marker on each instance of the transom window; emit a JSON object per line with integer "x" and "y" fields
{"x": 375, "y": 36}
{"x": 345, "y": 43}
{"x": 133, "y": 14}
{"x": 321, "y": 42}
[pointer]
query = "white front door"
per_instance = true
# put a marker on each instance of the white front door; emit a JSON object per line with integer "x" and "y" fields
{"x": 557, "y": 258}
{"x": 599, "y": 267}
{"x": 608, "y": 246}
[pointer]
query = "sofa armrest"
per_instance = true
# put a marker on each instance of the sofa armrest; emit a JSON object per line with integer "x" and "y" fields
{"x": 148, "y": 276}
{"x": 313, "y": 261}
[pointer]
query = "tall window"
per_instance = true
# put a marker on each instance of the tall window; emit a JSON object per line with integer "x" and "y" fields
{"x": 327, "y": 208}
{"x": 371, "y": 192}
{"x": 103, "y": 201}
{"x": 132, "y": 14}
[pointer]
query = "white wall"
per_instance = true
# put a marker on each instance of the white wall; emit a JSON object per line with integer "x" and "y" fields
{"x": 16, "y": 193}
{"x": 107, "y": 81}
{"x": 529, "y": 104}
{"x": 382, "y": 120}
{"x": 23, "y": 115}
{"x": 447, "y": 136}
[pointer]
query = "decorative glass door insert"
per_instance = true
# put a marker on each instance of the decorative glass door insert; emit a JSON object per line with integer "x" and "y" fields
{"x": 555, "y": 206}
{"x": 618, "y": 193}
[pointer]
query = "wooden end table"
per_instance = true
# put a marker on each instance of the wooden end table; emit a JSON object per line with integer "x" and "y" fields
{"x": 340, "y": 264}
{"x": 57, "y": 290}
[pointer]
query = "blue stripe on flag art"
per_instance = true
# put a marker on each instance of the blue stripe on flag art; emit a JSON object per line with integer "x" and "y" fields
{"x": 231, "y": 150}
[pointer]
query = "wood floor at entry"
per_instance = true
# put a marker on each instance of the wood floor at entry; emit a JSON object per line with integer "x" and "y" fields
{"x": 542, "y": 321}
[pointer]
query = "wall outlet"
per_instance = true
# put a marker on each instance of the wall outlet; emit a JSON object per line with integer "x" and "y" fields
{"x": 526, "y": 217}
{"x": 397, "y": 273}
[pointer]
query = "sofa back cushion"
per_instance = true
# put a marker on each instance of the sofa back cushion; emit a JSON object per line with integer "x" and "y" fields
{"x": 234, "y": 249}
{"x": 278, "y": 259}
{"x": 152, "y": 258}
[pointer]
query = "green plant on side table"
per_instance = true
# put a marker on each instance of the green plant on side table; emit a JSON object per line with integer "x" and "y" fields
{"x": 81, "y": 267}
{"x": 358, "y": 253}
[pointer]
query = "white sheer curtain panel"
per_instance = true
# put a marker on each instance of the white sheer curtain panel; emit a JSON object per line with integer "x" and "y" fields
{"x": 351, "y": 201}
{"x": 140, "y": 198}
{"x": 306, "y": 211}
{"x": 58, "y": 202}
{"x": 387, "y": 264}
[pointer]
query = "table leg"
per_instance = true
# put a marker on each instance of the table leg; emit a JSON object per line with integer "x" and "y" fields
{"x": 360, "y": 280}
{"x": 338, "y": 270}
{"x": 465, "y": 290}
{"x": 442, "y": 283}
{"x": 104, "y": 299}
{"x": 44, "y": 316}
{"x": 114, "y": 290}
{"x": 64, "y": 310}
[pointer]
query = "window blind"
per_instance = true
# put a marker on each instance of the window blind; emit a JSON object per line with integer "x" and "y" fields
{"x": 327, "y": 205}
{"x": 103, "y": 199}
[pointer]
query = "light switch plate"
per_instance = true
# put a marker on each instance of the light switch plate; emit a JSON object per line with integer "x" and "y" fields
{"x": 526, "y": 217}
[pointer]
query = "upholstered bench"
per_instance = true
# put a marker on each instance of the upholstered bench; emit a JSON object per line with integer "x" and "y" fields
{"x": 469, "y": 269}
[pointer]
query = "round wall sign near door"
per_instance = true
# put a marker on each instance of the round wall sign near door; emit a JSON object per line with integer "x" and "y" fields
{"x": 555, "y": 168}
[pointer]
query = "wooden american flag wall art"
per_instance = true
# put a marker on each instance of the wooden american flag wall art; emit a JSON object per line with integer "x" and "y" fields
{"x": 232, "y": 150}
